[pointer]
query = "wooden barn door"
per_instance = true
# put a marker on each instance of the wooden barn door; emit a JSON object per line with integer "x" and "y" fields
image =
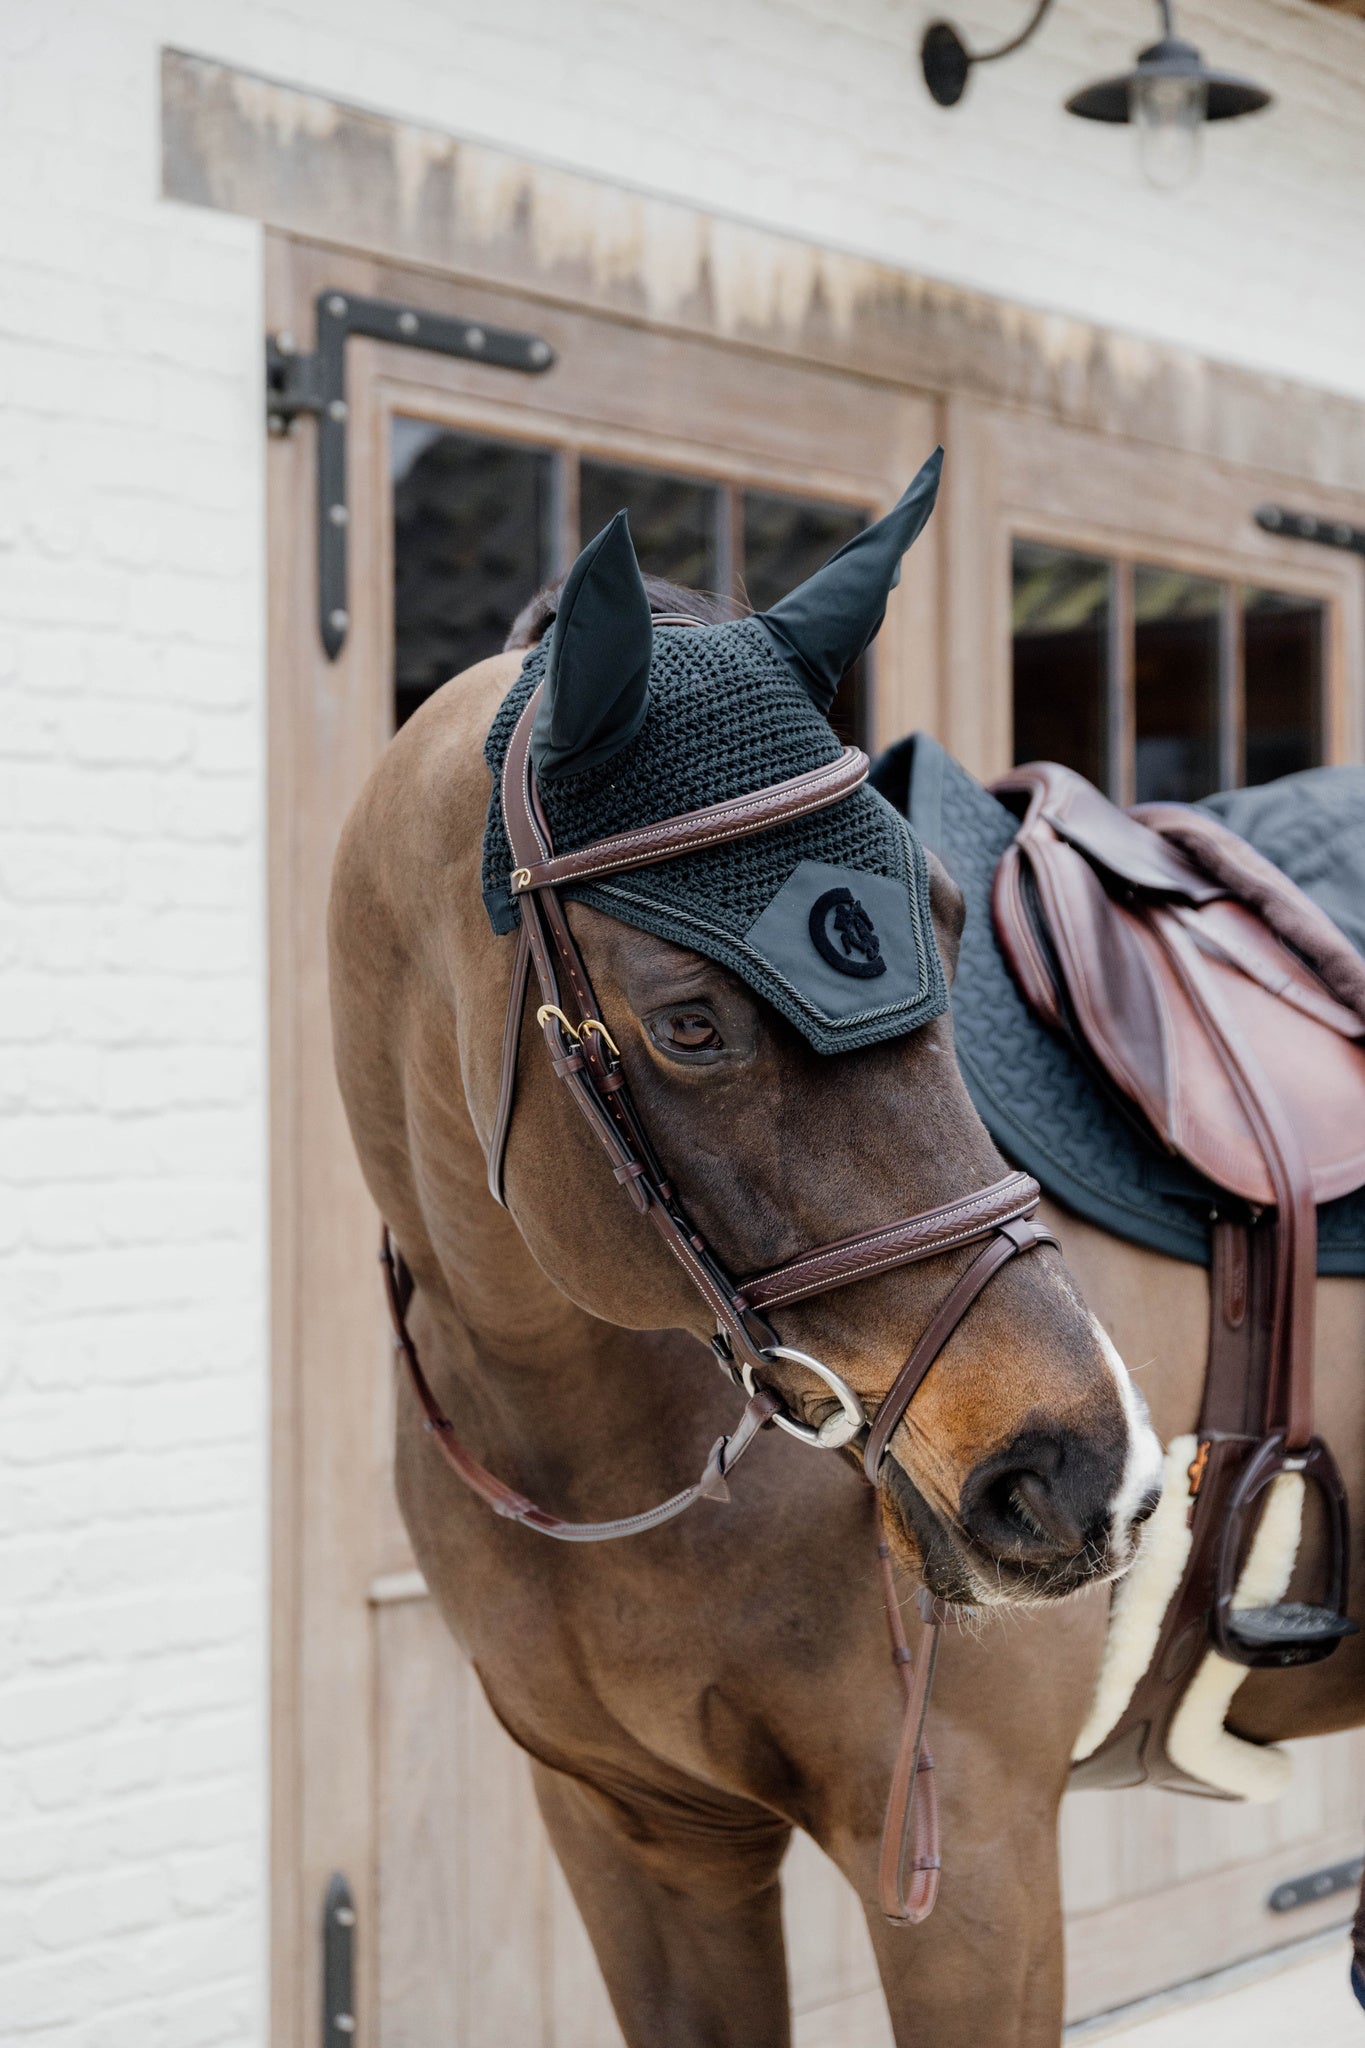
{"x": 1119, "y": 608}
{"x": 465, "y": 486}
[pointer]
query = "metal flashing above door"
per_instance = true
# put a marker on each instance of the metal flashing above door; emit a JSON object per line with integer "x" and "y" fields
{"x": 297, "y": 382}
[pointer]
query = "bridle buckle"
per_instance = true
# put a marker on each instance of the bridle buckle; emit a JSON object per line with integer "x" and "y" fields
{"x": 553, "y": 1010}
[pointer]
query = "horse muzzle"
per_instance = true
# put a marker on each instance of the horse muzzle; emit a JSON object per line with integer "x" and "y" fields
{"x": 1038, "y": 1520}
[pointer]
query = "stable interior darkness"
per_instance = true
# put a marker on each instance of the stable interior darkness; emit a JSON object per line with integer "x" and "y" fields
{"x": 1157, "y": 684}
{"x": 480, "y": 523}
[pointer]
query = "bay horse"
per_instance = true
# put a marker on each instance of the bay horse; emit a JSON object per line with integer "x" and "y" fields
{"x": 689, "y": 1697}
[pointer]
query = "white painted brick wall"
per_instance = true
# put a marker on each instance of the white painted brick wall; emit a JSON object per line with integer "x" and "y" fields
{"x": 132, "y": 1170}
{"x": 811, "y": 116}
{"x": 132, "y": 1160}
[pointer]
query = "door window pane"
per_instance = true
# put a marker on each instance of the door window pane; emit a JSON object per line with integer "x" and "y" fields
{"x": 1061, "y": 611}
{"x": 788, "y": 539}
{"x": 674, "y": 520}
{"x": 471, "y": 541}
{"x": 1282, "y": 653}
{"x": 1177, "y": 643}
{"x": 785, "y": 541}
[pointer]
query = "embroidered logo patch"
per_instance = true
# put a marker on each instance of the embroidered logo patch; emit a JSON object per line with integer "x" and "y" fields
{"x": 846, "y": 945}
{"x": 844, "y": 935}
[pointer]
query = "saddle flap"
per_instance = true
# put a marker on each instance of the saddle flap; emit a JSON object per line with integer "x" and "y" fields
{"x": 1318, "y": 1073}
{"x": 1101, "y": 885}
{"x": 1109, "y": 996}
{"x": 1020, "y": 940}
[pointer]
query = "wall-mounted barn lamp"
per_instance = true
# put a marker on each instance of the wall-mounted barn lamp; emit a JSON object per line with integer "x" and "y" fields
{"x": 1167, "y": 96}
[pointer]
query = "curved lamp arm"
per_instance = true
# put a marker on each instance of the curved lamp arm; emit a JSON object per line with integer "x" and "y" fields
{"x": 947, "y": 62}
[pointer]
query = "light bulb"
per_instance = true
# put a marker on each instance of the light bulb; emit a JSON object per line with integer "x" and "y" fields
{"x": 1168, "y": 116}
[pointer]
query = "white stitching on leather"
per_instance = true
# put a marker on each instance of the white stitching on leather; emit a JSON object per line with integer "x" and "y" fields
{"x": 662, "y": 839}
{"x": 506, "y": 768}
{"x": 845, "y": 1275}
{"x": 984, "y": 1197}
{"x": 935, "y": 1239}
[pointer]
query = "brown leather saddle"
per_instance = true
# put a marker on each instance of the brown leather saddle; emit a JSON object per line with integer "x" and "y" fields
{"x": 1223, "y": 1007}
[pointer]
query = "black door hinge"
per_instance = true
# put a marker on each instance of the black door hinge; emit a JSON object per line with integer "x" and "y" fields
{"x": 1328, "y": 533}
{"x": 296, "y": 382}
{"x": 1317, "y": 1884}
{"x": 338, "y": 1965}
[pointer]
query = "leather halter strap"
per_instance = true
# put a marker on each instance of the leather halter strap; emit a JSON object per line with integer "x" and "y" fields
{"x": 585, "y": 1059}
{"x": 910, "y": 1832}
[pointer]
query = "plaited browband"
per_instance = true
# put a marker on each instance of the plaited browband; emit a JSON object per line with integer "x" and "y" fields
{"x": 586, "y": 1059}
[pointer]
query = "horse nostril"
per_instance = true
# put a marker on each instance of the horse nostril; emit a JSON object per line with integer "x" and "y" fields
{"x": 1036, "y": 1506}
{"x": 1016, "y": 1512}
{"x": 1041, "y": 1500}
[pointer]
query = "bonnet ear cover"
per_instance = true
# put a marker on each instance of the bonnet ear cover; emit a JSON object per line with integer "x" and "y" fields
{"x": 596, "y": 689}
{"x": 823, "y": 625}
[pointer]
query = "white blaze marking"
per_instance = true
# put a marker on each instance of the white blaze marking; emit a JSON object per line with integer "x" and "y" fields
{"x": 1143, "y": 1468}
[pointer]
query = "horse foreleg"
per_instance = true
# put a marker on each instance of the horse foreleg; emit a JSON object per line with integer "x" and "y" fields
{"x": 683, "y": 1907}
{"x": 987, "y": 1964}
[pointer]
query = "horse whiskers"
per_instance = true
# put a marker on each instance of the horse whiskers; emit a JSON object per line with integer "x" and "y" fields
{"x": 964, "y": 1574}
{"x": 971, "y": 1621}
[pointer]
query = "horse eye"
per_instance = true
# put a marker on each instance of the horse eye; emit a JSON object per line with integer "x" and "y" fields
{"x": 687, "y": 1031}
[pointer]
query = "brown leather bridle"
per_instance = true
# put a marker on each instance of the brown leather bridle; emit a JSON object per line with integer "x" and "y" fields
{"x": 585, "y": 1057}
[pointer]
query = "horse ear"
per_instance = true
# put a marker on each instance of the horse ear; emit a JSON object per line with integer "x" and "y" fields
{"x": 823, "y": 625}
{"x": 596, "y": 690}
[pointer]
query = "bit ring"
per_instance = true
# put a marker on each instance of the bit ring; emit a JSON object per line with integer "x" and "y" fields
{"x": 836, "y": 1430}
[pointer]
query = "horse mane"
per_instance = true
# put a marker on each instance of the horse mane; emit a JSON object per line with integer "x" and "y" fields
{"x": 535, "y": 618}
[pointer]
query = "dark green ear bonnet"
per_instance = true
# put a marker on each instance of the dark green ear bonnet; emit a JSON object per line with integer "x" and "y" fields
{"x": 827, "y": 917}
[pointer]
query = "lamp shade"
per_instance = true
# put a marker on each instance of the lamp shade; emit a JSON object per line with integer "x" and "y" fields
{"x": 1112, "y": 99}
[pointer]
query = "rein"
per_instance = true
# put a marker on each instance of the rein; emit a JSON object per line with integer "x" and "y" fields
{"x": 586, "y": 1058}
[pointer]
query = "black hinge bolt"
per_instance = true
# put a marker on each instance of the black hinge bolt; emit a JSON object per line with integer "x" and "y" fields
{"x": 338, "y": 1965}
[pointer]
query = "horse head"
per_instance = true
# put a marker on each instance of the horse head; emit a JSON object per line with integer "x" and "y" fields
{"x": 779, "y": 1011}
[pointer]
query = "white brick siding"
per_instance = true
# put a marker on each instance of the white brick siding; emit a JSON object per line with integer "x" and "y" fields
{"x": 133, "y": 1255}
{"x": 132, "y": 1158}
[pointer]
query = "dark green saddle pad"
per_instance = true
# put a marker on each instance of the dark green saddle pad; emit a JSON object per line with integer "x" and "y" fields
{"x": 1042, "y": 1104}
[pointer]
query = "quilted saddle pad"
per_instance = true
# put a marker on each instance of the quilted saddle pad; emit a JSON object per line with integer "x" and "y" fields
{"x": 1046, "y": 1108}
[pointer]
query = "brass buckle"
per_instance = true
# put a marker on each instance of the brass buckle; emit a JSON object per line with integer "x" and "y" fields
{"x": 577, "y": 1032}
{"x": 596, "y": 1024}
{"x": 553, "y": 1010}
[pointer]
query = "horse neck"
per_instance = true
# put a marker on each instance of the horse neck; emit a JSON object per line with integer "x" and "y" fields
{"x": 505, "y": 1347}
{"x": 545, "y": 1393}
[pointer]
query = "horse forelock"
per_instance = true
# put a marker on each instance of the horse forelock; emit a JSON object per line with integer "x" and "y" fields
{"x": 538, "y": 614}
